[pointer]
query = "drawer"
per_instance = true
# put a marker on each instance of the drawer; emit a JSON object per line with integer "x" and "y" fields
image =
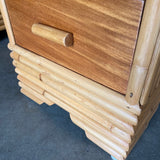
{"x": 105, "y": 34}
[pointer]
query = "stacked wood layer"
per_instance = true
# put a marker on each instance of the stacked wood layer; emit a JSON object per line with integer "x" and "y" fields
{"x": 107, "y": 119}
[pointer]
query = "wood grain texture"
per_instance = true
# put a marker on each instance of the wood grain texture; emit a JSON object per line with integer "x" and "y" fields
{"x": 105, "y": 34}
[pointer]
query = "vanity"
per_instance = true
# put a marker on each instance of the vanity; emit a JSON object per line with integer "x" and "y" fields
{"x": 97, "y": 59}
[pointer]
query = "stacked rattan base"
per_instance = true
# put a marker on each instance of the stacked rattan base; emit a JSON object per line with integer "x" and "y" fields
{"x": 107, "y": 119}
{"x": 2, "y": 27}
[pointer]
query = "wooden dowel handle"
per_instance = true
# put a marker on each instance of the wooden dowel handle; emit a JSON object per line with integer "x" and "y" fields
{"x": 53, "y": 34}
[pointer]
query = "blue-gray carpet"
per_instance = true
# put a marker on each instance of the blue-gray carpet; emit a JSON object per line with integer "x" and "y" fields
{"x": 32, "y": 132}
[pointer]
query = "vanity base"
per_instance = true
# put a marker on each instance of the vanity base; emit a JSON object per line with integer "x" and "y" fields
{"x": 107, "y": 119}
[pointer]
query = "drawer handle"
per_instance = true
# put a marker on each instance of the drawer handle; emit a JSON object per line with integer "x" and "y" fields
{"x": 53, "y": 34}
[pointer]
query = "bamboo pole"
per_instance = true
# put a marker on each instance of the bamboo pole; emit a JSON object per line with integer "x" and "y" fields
{"x": 94, "y": 97}
{"x": 149, "y": 110}
{"x": 120, "y": 114}
{"x": 66, "y": 106}
{"x": 31, "y": 96}
{"x": 93, "y": 107}
{"x": 14, "y": 56}
{"x": 125, "y": 126}
{"x": 156, "y": 78}
{"x": 144, "y": 50}
{"x": 36, "y": 94}
{"x": 98, "y": 128}
{"x": 90, "y": 114}
{"x": 153, "y": 101}
{"x": 26, "y": 69}
{"x": 141, "y": 128}
{"x": 104, "y": 147}
{"x": 30, "y": 84}
{"x": 152, "y": 73}
{"x": 158, "y": 82}
{"x": 79, "y": 80}
{"x": 98, "y": 136}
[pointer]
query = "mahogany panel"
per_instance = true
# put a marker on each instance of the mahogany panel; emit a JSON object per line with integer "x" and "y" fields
{"x": 105, "y": 34}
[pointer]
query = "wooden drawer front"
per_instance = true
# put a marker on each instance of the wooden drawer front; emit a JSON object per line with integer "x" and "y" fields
{"x": 105, "y": 33}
